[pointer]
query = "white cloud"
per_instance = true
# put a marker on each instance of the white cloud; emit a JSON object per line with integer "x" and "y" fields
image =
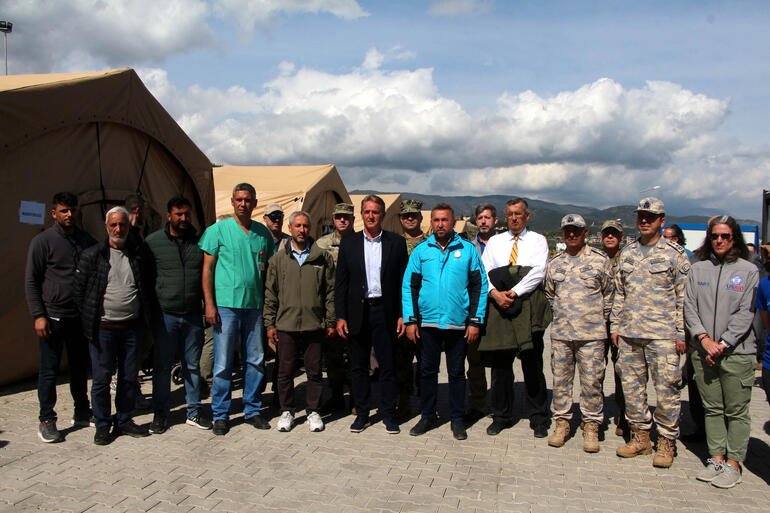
{"x": 598, "y": 145}
{"x": 459, "y": 7}
{"x": 250, "y": 13}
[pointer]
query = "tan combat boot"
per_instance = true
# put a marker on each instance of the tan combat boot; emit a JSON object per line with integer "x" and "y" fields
{"x": 664, "y": 456}
{"x": 560, "y": 433}
{"x": 591, "y": 437}
{"x": 639, "y": 444}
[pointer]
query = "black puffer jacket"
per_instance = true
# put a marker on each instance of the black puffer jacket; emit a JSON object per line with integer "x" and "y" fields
{"x": 91, "y": 283}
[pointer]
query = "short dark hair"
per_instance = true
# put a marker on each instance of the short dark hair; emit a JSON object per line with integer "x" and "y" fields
{"x": 178, "y": 202}
{"x": 515, "y": 201}
{"x": 243, "y": 186}
{"x": 678, "y": 233}
{"x": 65, "y": 198}
{"x": 442, "y": 206}
{"x": 374, "y": 198}
{"x": 739, "y": 249}
{"x": 486, "y": 206}
{"x": 133, "y": 200}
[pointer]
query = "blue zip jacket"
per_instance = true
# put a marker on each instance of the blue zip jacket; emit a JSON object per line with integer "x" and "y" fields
{"x": 444, "y": 289}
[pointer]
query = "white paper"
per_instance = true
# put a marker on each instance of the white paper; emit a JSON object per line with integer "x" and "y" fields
{"x": 32, "y": 212}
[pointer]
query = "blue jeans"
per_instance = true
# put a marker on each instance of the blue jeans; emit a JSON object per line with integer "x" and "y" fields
{"x": 455, "y": 347}
{"x": 239, "y": 326}
{"x": 172, "y": 331}
{"x": 111, "y": 346}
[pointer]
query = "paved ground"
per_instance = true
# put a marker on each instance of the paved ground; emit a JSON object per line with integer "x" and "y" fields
{"x": 188, "y": 470}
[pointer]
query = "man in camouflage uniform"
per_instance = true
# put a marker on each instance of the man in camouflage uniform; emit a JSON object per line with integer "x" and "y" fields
{"x": 336, "y": 351}
{"x": 411, "y": 219}
{"x": 647, "y": 326}
{"x": 579, "y": 287}
{"x": 611, "y": 236}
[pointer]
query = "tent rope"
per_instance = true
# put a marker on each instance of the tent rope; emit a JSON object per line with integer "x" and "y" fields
{"x": 144, "y": 163}
{"x": 101, "y": 181}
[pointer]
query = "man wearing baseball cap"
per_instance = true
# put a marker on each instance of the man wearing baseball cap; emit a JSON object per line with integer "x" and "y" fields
{"x": 647, "y": 326}
{"x": 578, "y": 284}
{"x": 273, "y": 220}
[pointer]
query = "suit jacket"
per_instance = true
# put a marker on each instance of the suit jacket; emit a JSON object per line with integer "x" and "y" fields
{"x": 350, "y": 280}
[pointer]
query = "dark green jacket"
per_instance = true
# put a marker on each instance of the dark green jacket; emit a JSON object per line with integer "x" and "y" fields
{"x": 516, "y": 333}
{"x": 299, "y": 298}
{"x": 175, "y": 271}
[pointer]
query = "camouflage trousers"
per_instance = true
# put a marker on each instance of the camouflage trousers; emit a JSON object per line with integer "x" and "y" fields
{"x": 589, "y": 355}
{"x": 638, "y": 356}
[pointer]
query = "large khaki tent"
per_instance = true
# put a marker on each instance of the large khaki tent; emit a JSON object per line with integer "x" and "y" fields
{"x": 390, "y": 222}
{"x": 101, "y": 135}
{"x": 312, "y": 189}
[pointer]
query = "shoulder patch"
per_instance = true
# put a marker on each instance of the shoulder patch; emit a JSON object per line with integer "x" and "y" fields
{"x": 599, "y": 252}
{"x": 674, "y": 245}
{"x": 684, "y": 267}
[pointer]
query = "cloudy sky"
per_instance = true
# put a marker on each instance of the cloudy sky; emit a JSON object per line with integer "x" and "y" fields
{"x": 581, "y": 102}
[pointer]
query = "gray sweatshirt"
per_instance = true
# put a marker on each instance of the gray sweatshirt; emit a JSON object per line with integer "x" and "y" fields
{"x": 719, "y": 301}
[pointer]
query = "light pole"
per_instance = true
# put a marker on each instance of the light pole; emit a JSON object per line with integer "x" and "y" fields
{"x": 6, "y": 27}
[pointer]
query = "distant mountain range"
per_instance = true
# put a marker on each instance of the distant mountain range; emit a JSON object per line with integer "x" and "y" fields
{"x": 546, "y": 216}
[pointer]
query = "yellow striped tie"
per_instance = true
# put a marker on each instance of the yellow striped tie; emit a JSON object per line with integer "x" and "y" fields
{"x": 514, "y": 250}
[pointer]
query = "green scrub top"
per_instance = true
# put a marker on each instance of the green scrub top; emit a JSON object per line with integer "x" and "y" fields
{"x": 239, "y": 275}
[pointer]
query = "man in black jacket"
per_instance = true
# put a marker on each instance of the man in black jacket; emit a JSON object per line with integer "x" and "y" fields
{"x": 51, "y": 261}
{"x": 175, "y": 272}
{"x": 367, "y": 301}
{"x": 114, "y": 301}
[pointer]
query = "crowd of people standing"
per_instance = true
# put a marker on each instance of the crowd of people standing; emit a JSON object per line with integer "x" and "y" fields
{"x": 373, "y": 299}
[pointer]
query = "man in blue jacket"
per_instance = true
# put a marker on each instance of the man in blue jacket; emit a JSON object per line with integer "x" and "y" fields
{"x": 444, "y": 296}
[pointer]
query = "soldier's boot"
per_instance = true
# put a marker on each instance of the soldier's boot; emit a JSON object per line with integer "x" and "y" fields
{"x": 621, "y": 427}
{"x": 664, "y": 455}
{"x": 560, "y": 433}
{"x": 591, "y": 437}
{"x": 639, "y": 444}
{"x": 404, "y": 407}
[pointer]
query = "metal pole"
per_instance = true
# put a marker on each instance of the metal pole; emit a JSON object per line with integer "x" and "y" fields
{"x": 6, "y": 52}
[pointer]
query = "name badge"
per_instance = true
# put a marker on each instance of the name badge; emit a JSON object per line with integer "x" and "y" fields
{"x": 261, "y": 266}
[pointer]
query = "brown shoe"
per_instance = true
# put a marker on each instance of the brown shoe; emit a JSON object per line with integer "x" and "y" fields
{"x": 639, "y": 444}
{"x": 591, "y": 437}
{"x": 664, "y": 456}
{"x": 560, "y": 433}
{"x": 621, "y": 426}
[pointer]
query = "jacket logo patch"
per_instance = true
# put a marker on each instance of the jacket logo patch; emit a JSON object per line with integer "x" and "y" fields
{"x": 736, "y": 284}
{"x": 704, "y": 283}
{"x": 458, "y": 254}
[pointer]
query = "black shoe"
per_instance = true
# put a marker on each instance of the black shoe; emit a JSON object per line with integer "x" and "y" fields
{"x": 199, "y": 422}
{"x": 159, "y": 423}
{"x": 220, "y": 427}
{"x": 360, "y": 424}
{"x": 102, "y": 436}
{"x": 83, "y": 418}
{"x": 474, "y": 416}
{"x": 540, "y": 430}
{"x": 131, "y": 429}
{"x": 497, "y": 426}
{"x": 258, "y": 422}
{"x": 391, "y": 426}
{"x": 424, "y": 425}
{"x": 48, "y": 433}
{"x": 458, "y": 430}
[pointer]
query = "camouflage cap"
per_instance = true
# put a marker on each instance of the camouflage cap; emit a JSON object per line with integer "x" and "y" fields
{"x": 573, "y": 220}
{"x": 343, "y": 208}
{"x": 652, "y": 205}
{"x": 273, "y": 207}
{"x": 612, "y": 224}
{"x": 411, "y": 207}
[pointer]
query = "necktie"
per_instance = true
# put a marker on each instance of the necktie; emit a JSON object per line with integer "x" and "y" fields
{"x": 514, "y": 250}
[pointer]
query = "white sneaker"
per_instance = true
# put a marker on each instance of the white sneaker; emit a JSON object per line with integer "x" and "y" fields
{"x": 314, "y": 422}
{"x": 286, "y": 421}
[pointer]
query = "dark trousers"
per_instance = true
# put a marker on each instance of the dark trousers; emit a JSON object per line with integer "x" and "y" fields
{"x": 454, "y": 345}
{"x": 534, "y": 381}
{"x": 111, "y": 346}
{"x": 289, "y": 346}
{"x": 406, "y": 351}
{"x": 375, "y": 333}
{"x": 620, "y": 399}
{"x": 64, "y": 333}
{"x": 697, "y": 413}
{"x": 477, "y": 379}
{"x": 766, "y": 382}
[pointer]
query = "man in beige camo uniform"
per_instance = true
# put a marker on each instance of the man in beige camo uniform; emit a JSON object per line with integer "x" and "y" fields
{"x": 647, "y": 326}
{"x": 411, "y": 219}
{"x": 579, "y": 287}
{"x": 336, "y": 351}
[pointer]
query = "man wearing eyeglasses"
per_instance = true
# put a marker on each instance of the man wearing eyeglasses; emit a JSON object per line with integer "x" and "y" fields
{"x": 273, "y": 220}
{"x": 647, "y": 326}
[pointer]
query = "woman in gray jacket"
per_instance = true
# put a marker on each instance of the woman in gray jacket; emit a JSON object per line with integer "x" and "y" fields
{"x": 718, "y": 313}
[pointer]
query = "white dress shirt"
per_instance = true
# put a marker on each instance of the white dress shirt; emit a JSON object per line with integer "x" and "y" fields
{"x": 373, "y": 264}
{"x": 532, "y": 251}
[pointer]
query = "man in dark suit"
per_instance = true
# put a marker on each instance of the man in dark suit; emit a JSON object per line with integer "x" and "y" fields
{"x": 367, "y": 301}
